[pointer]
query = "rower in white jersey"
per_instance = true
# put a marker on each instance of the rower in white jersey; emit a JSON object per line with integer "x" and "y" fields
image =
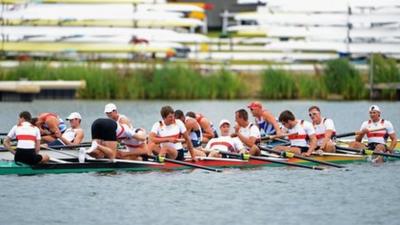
{"x": 376, "y": 139}
{"x": 265, "y": 121}
{"x": 72, "y": 135}
{"x": 134, "y": 141}
{"x": 301, "y": 134}
{"x": 324, "y": 130}
{"x": 111, "y": 111}
{"x": 167, "y": 133}
{"x": 224, "y": 142}
{"x": 28, "y": 137}
{"x": 247, "y": 132}
{"x": 193, "y": 128}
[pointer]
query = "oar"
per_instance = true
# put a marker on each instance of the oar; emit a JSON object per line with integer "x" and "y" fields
{"x": 270, "y": 160}
{"x": 161, "y": 159}
{"x": 271, "y": 137}
{"x": 290, "y": 155}
{"x": 367, "y": 152}
{"x": 3, "y": 134}
{"x": 70, "y": 146}
{"x": 357, "y": 132}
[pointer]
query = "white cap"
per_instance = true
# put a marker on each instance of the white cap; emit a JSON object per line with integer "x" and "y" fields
{"x": 222, "y": 122}
{"x": 374, "y": 108}
{"x": 109, "y": 108}
{"x": 74, "y": 115}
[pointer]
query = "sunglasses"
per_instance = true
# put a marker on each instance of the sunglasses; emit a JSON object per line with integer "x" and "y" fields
{"x": 312, "y": 114}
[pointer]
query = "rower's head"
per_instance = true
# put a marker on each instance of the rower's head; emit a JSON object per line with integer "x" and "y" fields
{"x": 191, "y": 114}
{"x": 74, "y": 119}
{"x": 224, "y": 127}
{"x": 241, "y": 117}
{"x": 111, "y": 111}
{"x": 315, "y": 114}
{"x": 256, "y": 108}
{"x": 24, "y": 116}
{"x": 168, "y": 114}
{"x": 374, "y": 112}
{"x": 179, "y": 115}
{"x": 287, "y": 119}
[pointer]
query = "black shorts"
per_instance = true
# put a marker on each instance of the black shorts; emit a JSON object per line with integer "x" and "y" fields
{"x": 302, "y": 148}
{"x": 27, "y": 156}
{"x": 104, "y": 129}
{"x": 181, "y": 155}
{"x": 372, "y": 146}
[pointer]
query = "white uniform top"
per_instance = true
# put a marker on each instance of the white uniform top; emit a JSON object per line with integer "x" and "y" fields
{"x": 225, "y": 143}
{"x": 123, "y": 131}
{"x": 173, "y": 130}
{"x": 250, "y": 131}
{"x": 120, "y": 116}
{"x": 26, "y": 134}
{"x": 320, "y": 129}
{"x": 133, "y": 142}
{"x": 379, "y": 136}
{"x": 300, "y": 133}
{"x": 70, "y": 134}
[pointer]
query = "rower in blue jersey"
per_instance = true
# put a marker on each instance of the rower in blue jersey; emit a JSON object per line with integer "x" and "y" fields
{"x": 193, "y": 128}
{"x": 265, "y": 121}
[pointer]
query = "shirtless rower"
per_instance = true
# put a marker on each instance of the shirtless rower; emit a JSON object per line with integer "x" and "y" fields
{"x": 302, "y": 134}
{"x": 324, "y": 130}
{"x": 168, "y": 133}
{"x": 28, "y": 141}
{"x": 247, "y": 132}
{"x": 72, "y": 135}
{"x": 265, "y": 121}
{"x": 51, "y": 126}
{"x": 193, "y": 128}
{"x": 111, "y": 111}
{"x": 376, "y": 139}
{"x": 104, "y": 138}
{"x": 224, "y": 142}
{"x": 205, "y": 124}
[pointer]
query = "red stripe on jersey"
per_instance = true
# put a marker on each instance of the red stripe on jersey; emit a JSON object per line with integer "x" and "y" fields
{"x": 297, "y": 136}
{"x": 26, "y": 137}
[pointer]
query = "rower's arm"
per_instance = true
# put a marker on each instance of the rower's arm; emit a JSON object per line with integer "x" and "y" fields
{"x": 327, "y": 138}
{"x": 208, "y": 132}
{"x": 393, "y": 143}
{"x": 189, "y": 145}
{"x": 271, "y": 119}
{"x": 37, "y": 146}
{"x": 7, "y": 143}
{"x": 248, "y": 141}
{"x": 313, "y": 143}
{"x": 158, "y": 140}
{"x": 53, "y": 127}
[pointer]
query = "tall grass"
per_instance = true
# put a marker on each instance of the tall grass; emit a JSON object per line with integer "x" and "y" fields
{"x": 385, "y": 71}
{"x": 343, "y": 79}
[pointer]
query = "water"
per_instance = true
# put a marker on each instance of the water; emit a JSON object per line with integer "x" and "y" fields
{"x": 360, "y": 194}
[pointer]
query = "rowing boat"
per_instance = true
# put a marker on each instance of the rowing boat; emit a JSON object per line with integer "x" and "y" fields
{"x": 71, "y": 165}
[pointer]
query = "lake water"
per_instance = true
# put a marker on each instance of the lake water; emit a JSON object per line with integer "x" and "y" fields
{"x": 359, "y": 194}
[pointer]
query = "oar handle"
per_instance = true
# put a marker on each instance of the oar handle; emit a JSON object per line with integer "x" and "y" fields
{"x": 183, "y": 163}
{"x": 302, "y": 157}
{"x": 270, "y": 137}
{"x": 358, "y": 132}
{"x": 71, "y": 146}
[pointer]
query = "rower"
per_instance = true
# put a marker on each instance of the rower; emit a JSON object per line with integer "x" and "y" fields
{"x": 224, "y": 142}
{"x": 104, "y": 138}
{"x": 301, "y": 134}
{"x": 376, "y": 139}
{"x": 134, "y": 141}
{"x": 206, "y": 126}
{"x": 51, "y": 126}
{"x": 324, "y": 130}
{"x": 74, "y": 134}
{"x": 28, "y": 145}
{"x": 111, "y": 111}
{"x": 193, "y": 128}
{"x": 265, "y": 121}
{"x": 247, "y": 132}
{"x": 167, "y": 133}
